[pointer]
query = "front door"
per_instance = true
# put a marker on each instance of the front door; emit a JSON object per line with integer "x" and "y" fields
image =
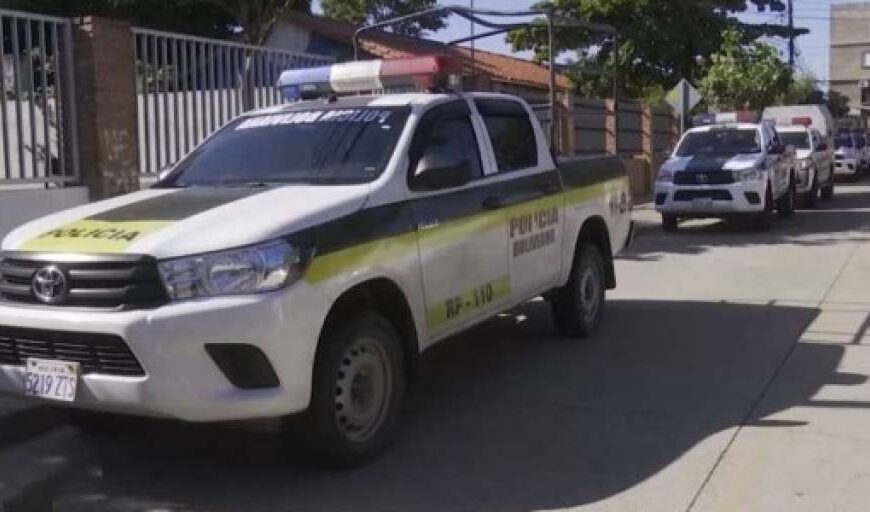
{"x": 461, "y": 236}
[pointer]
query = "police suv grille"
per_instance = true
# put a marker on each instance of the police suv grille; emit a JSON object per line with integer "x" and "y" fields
{"x": 107, "y": 281}
{"x": 715, "y": 195}
{"x": 703, "y": 178}
{"x": 97, "y": 353}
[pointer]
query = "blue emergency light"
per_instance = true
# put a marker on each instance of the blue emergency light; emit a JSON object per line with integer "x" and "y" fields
{"x": 420, "y": 73}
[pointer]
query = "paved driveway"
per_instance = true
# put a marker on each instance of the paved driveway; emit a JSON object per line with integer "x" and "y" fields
{"x": 730, "y": 374}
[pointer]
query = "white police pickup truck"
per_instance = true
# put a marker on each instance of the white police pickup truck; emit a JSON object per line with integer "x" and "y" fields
{"x": 734, "y": 166}
{"x": 814, "y": 162}
{"x": 297, "y": 262}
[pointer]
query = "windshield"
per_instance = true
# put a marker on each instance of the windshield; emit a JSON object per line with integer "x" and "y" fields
{"x": 800, "y": 140}
{"x": 338, "y": 146}
{"x": 844, "y": 140}
{"x": 720, "y": 141}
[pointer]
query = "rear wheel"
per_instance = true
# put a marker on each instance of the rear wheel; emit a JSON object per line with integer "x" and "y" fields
{"x": 578, "y": 307}
{"x": 785, "y": 204}
{"x": 359, "y": 383}
{"x": 828, "y": 190}
{"x": 669, "y": 222}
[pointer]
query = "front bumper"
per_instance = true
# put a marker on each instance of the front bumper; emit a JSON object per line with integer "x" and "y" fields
{"x": 846, "y": 167}
{"x": 734, "y": 198}
{"x": 182, "y": 380}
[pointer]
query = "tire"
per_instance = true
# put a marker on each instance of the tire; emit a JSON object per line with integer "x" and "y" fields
{"x": 358, "y": 387}
{"x": 669, "y": 222}
{"x": 785, "y": 204}
{"x": 828, "y": 190}
{"x": 578, "y": 307}
{"x": 813, "y": 194}
{"x": 761, "y": 221}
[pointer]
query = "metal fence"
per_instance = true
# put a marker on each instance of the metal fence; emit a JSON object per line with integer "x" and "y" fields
{"x": 36, "y": 111}
{"x": 189, "y": 86}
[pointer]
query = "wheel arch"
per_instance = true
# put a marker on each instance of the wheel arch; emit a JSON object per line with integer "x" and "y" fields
{"x": 594, "y": 230}
{"x": 388, "y": 299}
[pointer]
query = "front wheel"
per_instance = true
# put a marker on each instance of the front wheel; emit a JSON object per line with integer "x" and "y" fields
{"x": 813, "y": 194}
{"x": 669, "y": 222}
{"x": 761, "y": 221}
{"x": 578, "y": 307}
{"x": 359, "y": 383}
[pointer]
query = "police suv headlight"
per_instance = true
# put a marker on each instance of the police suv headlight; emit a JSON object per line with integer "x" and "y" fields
{"x": 665, "y": 176}
{"x": 752, "y": 174}
{"x": 255, "y": 269}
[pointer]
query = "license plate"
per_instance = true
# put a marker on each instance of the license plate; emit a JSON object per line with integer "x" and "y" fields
{"x": 702, "y": 202}
{"x": 52, "y": 380}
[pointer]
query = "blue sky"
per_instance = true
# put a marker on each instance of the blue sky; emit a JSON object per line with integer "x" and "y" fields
{"x": 811, "y": 14}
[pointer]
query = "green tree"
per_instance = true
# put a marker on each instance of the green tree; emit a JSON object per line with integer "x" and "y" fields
{"x": 364, "y": 12}
{"x": 660, "y": 41}
{"x": 803, "y": 90}
{"x": 744, "y": 76}
{"x": 837, "y": 103}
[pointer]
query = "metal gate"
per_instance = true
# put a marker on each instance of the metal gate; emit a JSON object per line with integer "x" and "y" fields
{"x": 188, "y": 87}
{"x": 37, "y": 114}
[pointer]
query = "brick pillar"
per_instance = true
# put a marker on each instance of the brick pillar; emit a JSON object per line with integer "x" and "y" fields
{"x": 649, "y": 144}
{"x": 610, "y": 141}
{"x": 105, "y": 75}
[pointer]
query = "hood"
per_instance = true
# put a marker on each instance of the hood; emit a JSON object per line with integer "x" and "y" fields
{"x": 167, "y": 223}
{"x": 707, "y": 163}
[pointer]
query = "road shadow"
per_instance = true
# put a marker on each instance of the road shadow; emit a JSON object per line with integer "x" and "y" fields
{"x": 505, "y": 417}
{"x": 847, "y": 215}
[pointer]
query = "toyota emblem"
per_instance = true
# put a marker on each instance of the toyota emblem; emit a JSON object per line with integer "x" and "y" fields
{"x": 50, "y": 285}
{"x": 702, "y": 178}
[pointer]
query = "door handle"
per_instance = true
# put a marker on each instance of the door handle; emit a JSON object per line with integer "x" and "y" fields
{"x": 493, "y": 202}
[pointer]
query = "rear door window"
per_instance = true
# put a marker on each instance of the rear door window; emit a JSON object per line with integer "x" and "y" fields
{"x": 511, "y": 134}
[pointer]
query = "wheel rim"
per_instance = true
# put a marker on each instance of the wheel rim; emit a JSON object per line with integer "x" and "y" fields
{"x": 590, "y": 294}
{"x": 363, "y": 389}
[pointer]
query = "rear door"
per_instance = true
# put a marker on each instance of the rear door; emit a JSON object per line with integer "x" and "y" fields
{"x": 531, "y": 197}
{"x": 461, "y": 237}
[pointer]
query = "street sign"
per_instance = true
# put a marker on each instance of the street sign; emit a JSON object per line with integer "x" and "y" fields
{"x": 683, "y": 98}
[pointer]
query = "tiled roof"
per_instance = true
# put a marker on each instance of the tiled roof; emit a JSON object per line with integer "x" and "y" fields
{"x": 499, "y": 67}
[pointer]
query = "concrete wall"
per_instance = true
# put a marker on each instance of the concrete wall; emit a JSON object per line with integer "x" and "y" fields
{"x": 850, "y": 39}
{"x": 19, "y": 205}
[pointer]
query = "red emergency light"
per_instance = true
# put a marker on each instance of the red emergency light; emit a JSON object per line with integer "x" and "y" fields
{"x": 802, "y": 121}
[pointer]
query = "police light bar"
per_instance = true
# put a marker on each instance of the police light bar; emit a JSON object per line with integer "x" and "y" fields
{"x": 742, "y": 116}
{"x": 365, "y": 75}
{"x": 802, "y": 121}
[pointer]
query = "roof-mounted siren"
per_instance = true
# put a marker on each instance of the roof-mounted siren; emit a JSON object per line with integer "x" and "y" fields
{"x": 742, "y": 116}
{"x": 802, "y": 121}
{"x": 415, "y": 73}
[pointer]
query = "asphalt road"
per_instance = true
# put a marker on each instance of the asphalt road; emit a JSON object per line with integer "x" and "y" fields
{"x": 730, "y": 374}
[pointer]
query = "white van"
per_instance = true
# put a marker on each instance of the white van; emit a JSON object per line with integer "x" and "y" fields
{"x": 820, "y": 117}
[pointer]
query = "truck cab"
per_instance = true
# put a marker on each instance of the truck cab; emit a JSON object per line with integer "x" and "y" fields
{"x": 814, "y": 161}
{"x": 732, "y": 166}
{"x": 297, "y": 262}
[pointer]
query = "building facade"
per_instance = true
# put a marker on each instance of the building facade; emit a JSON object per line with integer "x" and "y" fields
{"x": 850, "y": 52}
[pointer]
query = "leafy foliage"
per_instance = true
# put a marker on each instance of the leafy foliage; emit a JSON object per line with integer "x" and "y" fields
{"x": 744, "y": 77}
{"x": 372, "y": 11}
{"x": 660, "y": 41}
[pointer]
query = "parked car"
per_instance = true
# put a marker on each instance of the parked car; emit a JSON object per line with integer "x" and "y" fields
{"x": 814, "y": 162}
{"x": 735, "y": 167}
{"x": 850, "y": 156}
{"x": 298, "y": 261}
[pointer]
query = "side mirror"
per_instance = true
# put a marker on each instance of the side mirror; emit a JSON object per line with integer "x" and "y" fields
{"x": 434, "y": 174}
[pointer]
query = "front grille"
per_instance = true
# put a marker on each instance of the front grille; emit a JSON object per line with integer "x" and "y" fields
{"x": 102, "y": 281}
{"x": 716, "y": 195}
{"x": 703, "y": 178}
{"x": 97, "y": 353}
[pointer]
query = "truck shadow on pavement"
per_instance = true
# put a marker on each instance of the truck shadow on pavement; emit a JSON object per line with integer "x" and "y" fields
{"x": 506, "y": 417}
{"x": 848, "y": 215}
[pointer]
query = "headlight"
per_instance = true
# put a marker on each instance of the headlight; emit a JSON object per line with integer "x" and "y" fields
{"x": 753, "y": 174}
{"x": 803, "y": 165}
{"x": 665, "y": 176}
{"x": 256, "y": 269}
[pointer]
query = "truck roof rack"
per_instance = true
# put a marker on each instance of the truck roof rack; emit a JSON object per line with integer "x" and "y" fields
{"x": 554, "y": 21}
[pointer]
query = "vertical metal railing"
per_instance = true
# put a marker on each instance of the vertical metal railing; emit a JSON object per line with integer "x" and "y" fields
{"x": 188, "y": 87}
{"x": 37, "y": 111}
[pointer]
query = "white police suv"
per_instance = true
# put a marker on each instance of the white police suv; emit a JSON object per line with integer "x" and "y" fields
{"x": 814, "y": 161}
{"x": 732, "y": 166}
{"x": 298, "y": 261}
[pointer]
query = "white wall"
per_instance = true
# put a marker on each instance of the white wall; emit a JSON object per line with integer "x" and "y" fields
{"x": 19, "y": 205}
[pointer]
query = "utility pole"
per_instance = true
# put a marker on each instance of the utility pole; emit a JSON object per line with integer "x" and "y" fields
{"x": 473, "y": 63}
{"x": 791, "y": 51}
